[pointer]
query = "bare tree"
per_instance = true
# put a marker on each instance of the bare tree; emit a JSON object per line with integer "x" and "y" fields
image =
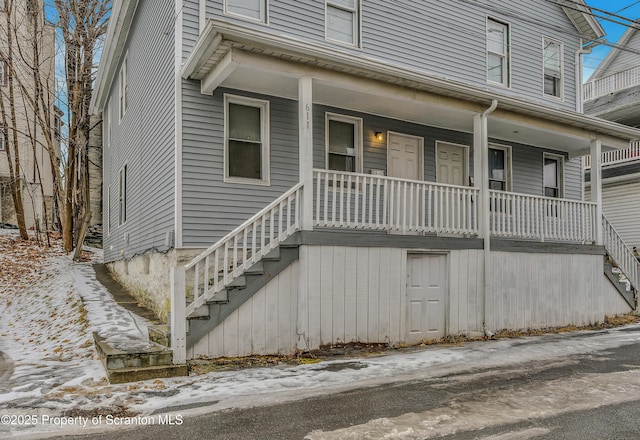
{"x": 83, "y": 24}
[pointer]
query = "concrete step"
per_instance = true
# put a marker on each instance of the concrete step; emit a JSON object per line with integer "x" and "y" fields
{"x": 130, "y": 361}
{"x": 160, "y": 334}
{"x": 126, "y": 375}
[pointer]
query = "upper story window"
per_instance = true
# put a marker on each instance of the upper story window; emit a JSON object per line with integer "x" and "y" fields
{"x": 553, "y": 175}
{"x": 552, "y": 60}
{"x": 500, "y": 168}
{"x": 123, "y": 89}
{"x": 344, "y": 143}
{"x": 107, "y": 127}
{"x": 343, "y": 21}
{"x": 2, "y": 141}
{"x": 252, "y": 9}
{"x": 246, "y": 140}
{"x": 498, "y": 58}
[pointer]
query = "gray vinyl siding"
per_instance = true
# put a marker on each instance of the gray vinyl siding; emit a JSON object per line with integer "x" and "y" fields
{"x": 447, "y": 39}
{"x": 190, "y": 26}
{"x": 212, "y": 207}
{"x": 144, "y": 139}
{"x": 624, "y": 59}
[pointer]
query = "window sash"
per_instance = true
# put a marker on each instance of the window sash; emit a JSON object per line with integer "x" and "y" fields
{"x": 2, "y": 147}
{"x": 497, "y": 52}
{"x": 342, "y": 21}
{"x": 552, "y": 176}
{"x": 343, "y": 140}
{"x": 124, "y": 88}
{"x": 499, "y": 165}
{"x": 552, "y": 64}
{"x": 2, "y": 73}
{"x": 122, "y": 197}
{"x": 252, "y": 9}
{"x": 246, "y": 140}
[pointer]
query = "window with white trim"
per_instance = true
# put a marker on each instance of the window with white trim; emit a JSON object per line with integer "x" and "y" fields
{"x": 123, "y": 90}
{"x": 498, "y": 58}
{"x": 108, "y": 211}
{"x": 552, "y": 61}
{"x": 122, "y": 196}
{"x": 252, "y": 9}
{"x": 499, "y": 168}
{"x": 553, "y": 179}
{"x": 343, "y": 143}
{"x": 2, "y": 147}
{"x": 342, "y": 21}
{"x": 108, "y": 117}
{"x": 246, "y": 140}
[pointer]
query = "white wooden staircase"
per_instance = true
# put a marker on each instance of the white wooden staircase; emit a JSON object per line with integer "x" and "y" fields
{"x": 621, "y": 265}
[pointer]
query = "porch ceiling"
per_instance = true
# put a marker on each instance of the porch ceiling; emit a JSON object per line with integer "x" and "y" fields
{"x": 248, "y": 60}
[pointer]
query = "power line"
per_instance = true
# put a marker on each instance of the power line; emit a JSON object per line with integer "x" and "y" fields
{"x": 628, "y": 6}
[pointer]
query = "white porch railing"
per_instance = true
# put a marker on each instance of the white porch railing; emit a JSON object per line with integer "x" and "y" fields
{"x": 363, "y": 201}
{"x": 617, "y": 156}
{"x": 213, "y": 270}
{"x": 542, "y": 218}
{"x": 611, "y": 83}
{"x": 620, "y": 253}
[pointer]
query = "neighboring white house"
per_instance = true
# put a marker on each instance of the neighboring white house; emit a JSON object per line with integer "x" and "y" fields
{"x": 613, "y": 93}
{"x": 353, "y": 171}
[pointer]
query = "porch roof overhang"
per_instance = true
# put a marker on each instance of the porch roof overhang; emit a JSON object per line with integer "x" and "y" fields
{"x": 234, "y": 56}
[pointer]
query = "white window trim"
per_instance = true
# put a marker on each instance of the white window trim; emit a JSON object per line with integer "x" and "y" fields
{"x": 357, "y": 33}
{"x": 108, "y": 211}
{"x": 264, "y": 133}
{"x": 466, "y": 159}
{"x": 509, "y": 166}
{"x": 560, "y": 160}
{"x": 507, "y": 55}
{"x": 553, "y": 40}
{"x": 358, "y": 137}
{"x": 107, "y": 127}
{"x": 264, "y": 13}
{"x": 123, "y": 87}
{"x": 122, "y": 192}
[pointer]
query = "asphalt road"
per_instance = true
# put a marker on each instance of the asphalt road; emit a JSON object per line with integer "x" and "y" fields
{"x": 593, "y": 396}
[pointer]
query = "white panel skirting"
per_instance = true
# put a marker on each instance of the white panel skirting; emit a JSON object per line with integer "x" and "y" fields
{"x": 341, "y": 294}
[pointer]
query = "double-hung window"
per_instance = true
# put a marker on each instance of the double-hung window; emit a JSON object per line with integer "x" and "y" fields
{"x": 499, "y": 168}
{"x": 344, "y": 143}
{"x": 252, "y": 9}
{"x": 552, "y": 59}
{"x": 2, "y": 147}
{"x": 122, "y": 196}
{"x": 246, "y": 140}
{"x": 498, "y": 59}
{"x": 343, "y": 21}
{"x": 552, "y": 175}
{"x": 123, "y": 91}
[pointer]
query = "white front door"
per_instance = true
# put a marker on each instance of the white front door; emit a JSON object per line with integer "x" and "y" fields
{"x": 426, "y": 294}
{"x": 404, "y": 156}
{"x": 452, "y": 164}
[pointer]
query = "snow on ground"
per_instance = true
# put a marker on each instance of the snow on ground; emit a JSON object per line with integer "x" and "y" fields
{"x": 49, "y": 366}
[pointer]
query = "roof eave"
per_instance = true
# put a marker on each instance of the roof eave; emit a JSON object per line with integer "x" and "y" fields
{"x": 122, "y": 15}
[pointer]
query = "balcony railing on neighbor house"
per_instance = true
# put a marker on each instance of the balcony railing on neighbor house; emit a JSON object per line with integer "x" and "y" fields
{"x": 617, "y": 156}
{"x": 611, "y": 83}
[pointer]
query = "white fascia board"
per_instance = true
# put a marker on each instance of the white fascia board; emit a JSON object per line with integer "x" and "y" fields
{"x": 219, "y": 32}
{"x": 582, "y": 19}
{"x": 122, "y": 13}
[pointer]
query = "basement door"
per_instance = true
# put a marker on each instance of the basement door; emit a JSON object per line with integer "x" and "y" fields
{"x": 426, "y": 297}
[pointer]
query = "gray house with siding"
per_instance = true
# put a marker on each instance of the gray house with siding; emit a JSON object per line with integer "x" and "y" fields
{"x": 283, "y": 175}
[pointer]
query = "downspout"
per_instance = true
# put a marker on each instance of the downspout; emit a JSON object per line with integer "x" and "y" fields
{"x": 579, "y": 72}
{"x": 484, "y": 195}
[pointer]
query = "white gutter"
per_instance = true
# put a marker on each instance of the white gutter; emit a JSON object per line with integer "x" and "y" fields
{"x": 484, "y": 206}
{"x": 579, "y": 72}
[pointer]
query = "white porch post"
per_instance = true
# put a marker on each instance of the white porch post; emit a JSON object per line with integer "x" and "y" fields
{"x": 596, "y": 185}
{"x": 305, "y": 127}
{"x": 178, "y": 315}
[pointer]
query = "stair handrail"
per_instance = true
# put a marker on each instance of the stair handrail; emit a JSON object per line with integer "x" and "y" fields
{"x": 620, "y": 253}
{"x": 244, "y": 257}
